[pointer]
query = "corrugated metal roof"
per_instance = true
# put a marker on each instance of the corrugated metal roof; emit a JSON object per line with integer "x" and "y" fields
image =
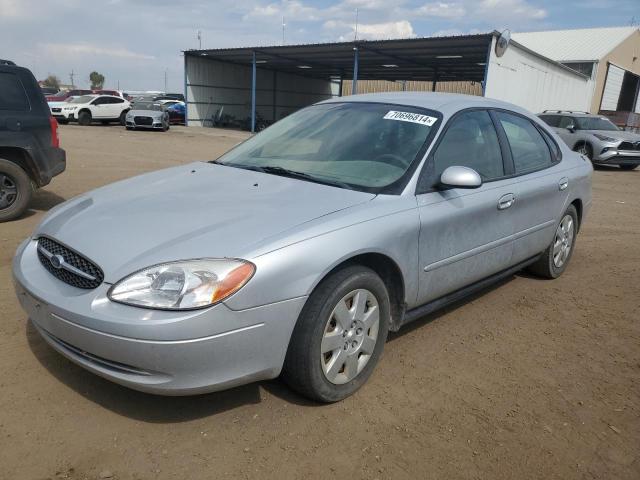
{"x": 584, "y": 44}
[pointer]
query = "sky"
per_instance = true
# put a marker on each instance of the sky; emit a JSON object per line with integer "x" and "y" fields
{"x": 135, "y": 43}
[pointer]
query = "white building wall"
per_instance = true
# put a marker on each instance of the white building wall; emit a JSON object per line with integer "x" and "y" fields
{"x": 211, "y": 84}
{"x": 535, "y": 83}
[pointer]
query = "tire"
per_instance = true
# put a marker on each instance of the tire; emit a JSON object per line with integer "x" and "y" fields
{"x": 585, "y": 149}
{"x": 129, "y": 128}
{"x": 84, "y": 118}
{"x": 123, "y": 118}
{"x": 15, "y": 190}
{"x": 354, "y": 341}
{"x": 548, "y": 265}
{"x": 628, "y": 167}
{"x": 62, "y": 121}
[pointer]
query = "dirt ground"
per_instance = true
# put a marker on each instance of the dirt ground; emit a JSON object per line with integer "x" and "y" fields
{"x": 532, "y": 379}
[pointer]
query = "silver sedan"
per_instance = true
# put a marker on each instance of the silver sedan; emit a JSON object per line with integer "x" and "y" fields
{"x": 296, "y": 252}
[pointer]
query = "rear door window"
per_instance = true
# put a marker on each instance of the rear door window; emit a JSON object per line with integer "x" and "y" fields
{"x": 12, "y": 93}
{"x": 528, "y": 149}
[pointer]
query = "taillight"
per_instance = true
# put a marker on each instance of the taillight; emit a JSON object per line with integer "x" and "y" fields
{"x": 55, "y": 141}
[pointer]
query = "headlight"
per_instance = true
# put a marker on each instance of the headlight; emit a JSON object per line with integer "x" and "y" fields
{"x": 183, "y": 285}
{"x": 604, "y": 138}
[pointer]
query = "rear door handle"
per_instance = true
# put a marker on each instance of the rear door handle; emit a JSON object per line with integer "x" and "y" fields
{"x": 563, "y": 183}
{"x": 506, "y": 201}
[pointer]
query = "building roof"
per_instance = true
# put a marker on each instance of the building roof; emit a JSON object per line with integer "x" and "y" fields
{"x": 451, "y": 58}
{"x": 584, "y": 44}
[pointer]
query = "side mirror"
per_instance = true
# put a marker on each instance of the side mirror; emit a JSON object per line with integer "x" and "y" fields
{"x": 460, "y": 177}
{"x": 571, "y": 128}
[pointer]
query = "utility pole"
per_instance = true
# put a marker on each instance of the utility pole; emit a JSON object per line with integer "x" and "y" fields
{"x": 199, "y": 40}
{"x": 355, "y": 35}
{"x": 283, "y": 25}
{"x": 71, "y": 75}
{"x": 165, "y": 80}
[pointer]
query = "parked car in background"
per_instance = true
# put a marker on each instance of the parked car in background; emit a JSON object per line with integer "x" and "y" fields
{"x": 153, "y": 116}
{"x": 49, "y": 90}
{"x": 170, "y": 96}
{"x": 63, "y": 95}
{"x": 596, "y": 137}
{"x": 115, "y": 93}
{"x": 177, "y": 111}
{"x": 90, "y": 108}
{"x": 30, "y": 153}
{"x": 297, "y": 251}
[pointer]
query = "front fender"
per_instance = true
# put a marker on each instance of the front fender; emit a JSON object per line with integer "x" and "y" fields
{"x": 295, "y": 269}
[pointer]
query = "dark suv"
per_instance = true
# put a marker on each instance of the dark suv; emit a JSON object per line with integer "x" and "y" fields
{"x": 30, "y": 153}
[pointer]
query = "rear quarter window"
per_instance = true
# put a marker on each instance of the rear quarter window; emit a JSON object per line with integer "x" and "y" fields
{"x": 12, "y": 94}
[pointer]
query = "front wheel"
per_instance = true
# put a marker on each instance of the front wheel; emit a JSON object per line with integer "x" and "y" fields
{"x": 584, "y": 149}
{"x": 123, "y": 118}
{"x": 84, "y": 118}
{"x": 339, "y": 336}
{"x": 556, "y": 257}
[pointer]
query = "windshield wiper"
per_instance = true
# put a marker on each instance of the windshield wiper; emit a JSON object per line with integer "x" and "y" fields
{"x": 285, "y": 172}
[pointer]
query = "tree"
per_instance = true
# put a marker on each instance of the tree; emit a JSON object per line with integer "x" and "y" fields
{"x": 51, "y": 81}
{"x": 97, "y": 80}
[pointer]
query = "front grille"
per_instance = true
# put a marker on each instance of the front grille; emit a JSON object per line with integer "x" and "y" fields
{"x": 143, "y": 120}
{"x": 72, "y": 269}
{"x": 56, "y": 110}
{"x": 629, "y": 146}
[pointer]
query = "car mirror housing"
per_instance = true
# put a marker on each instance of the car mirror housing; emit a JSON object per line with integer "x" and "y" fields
{"x": 571, "y": 128}
{"x": 460, "y": 177}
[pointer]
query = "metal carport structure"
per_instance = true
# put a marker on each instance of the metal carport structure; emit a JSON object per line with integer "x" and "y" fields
{"x": 435, "y": 59}
{"x": 277, "y": 80}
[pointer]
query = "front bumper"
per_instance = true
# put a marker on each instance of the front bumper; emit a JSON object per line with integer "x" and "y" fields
{"x": 167, "y": 353}
{"x": 612, "y": 156}
{"x": 145, "y": 122}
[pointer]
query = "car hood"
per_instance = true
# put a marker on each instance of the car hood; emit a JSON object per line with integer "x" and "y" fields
{"x": 619, "y": 135}
{"x": 193, "y": 211}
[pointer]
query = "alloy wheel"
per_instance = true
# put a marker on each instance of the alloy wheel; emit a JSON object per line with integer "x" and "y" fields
{"x": 8, "y": 191}
{"x": 563, "y": 241}
{"x": 350, "y": 336}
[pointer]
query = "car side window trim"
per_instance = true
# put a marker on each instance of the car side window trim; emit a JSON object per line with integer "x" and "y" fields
{"x": 421, "y": 189}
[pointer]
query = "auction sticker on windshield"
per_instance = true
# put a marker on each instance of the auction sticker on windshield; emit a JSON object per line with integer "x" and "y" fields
{"x": 410, "y": 117}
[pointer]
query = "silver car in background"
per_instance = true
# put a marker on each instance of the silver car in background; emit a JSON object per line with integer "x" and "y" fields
{"x": 147, "y": 115}
{"x": 596, "y": 137}
{"x": 296, "y": 252}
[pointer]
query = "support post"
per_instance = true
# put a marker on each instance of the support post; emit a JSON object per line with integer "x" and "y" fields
{"x": 186, "y": 98}
{"x": 354, "y": 84}
{"x": 435, "y": 80}
{"x": 486, "y": 67}
{"x": 341, "y": 82}
{"x": 253, "y": 94}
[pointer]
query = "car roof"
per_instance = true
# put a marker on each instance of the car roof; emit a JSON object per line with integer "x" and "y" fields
{"x": 446, "y": 103}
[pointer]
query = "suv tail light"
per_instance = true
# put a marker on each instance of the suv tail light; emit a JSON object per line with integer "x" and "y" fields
{"x": 55, "y": 140}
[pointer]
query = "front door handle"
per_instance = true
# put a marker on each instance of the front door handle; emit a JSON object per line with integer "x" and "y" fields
{"x": 506, "y": 201}
{"x": 563, "y": 183}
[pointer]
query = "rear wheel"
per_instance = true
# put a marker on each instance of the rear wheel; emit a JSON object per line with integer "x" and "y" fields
{"x": 628, "y": 167}
{"x": 84, "y": 118}
{"x": 123, "y": 118}
{"x": 556, "y": 257}
{"x": 339, "y": 336}
{"x": 15, "y": 190}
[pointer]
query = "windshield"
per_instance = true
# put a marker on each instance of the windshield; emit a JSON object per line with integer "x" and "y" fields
{"x": 595, "y": 123}
{"x": 82, "y": 99}
{"x": 147, "y": 106}
{"x": 366, "y": 146}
